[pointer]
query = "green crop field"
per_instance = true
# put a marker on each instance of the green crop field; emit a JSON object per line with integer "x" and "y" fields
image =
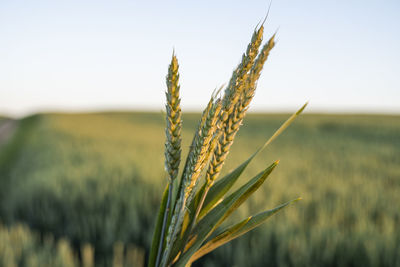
{"x": 98, "y": 178}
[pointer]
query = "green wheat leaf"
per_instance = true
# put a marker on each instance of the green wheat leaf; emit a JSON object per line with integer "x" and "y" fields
{"x": 237, "y": 230}
{"x": 221, "y": 211}
{"x": 157, "y": 231}
{"x": 222, "y": 186}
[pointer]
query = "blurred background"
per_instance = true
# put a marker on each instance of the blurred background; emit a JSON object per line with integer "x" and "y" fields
{"x": 82, "y": 130}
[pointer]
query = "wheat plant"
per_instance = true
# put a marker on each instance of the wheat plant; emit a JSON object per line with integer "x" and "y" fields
{"x": 196, "y": 202}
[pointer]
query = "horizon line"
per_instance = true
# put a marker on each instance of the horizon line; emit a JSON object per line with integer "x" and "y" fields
{"x": 315, "y": 111}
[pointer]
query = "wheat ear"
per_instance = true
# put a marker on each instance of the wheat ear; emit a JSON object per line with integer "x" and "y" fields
{"x": 174, "y": 121}
{"x": 233, "y": 93}
{"x": 236, "y": 117}
{"x": 239, "y": 75}
{"x": 173, "y": 138}
{"x": 201, "y": 123}
{"x": 233, "y": 120}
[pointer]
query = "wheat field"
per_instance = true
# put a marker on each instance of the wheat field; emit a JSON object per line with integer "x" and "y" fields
{"x": 97, "y": 178}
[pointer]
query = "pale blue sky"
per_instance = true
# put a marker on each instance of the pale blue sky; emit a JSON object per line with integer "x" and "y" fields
{"x": 342, "y": 56}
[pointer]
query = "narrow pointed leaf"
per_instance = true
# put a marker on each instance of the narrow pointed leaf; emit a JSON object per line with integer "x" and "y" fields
{"x": 222, "y": 186}
{"x": 237, "y": 230}
{"x": 217, "y": 215}
{"x": 157, "y": 231}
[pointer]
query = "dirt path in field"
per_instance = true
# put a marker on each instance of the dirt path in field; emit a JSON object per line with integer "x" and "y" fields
{"x": 7, "y": 128}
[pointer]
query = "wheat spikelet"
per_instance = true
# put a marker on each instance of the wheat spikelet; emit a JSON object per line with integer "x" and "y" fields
{"x": 237, "y": 81}
{"x": 235, "y": 119}
{"x": 201, "y": 155}
{"x": 174, "y": 121}
{"x": 231, "y": 97}
{"x": 231, "y": 121}
{"x": 248, "y": 93}
{"x": 255, "y": 72}
{"x": 212, "y": 103}
{"x": 202, "y": 121}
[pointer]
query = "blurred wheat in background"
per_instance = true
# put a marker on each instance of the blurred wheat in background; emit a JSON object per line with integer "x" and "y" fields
{"x": 65, "y": 175}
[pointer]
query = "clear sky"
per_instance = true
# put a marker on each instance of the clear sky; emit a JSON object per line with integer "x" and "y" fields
{"x": 342, "y": 56}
